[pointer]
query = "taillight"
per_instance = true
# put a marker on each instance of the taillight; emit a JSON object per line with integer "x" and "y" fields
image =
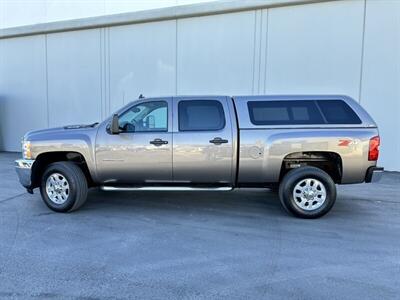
{"x": 374, "y": 143}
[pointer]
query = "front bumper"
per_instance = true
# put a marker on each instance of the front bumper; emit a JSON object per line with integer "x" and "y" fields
{"x": 374, "y": 174}
{"x": 24, "y": 172}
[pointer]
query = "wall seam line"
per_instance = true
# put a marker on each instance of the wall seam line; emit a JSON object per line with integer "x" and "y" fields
{"x": 176, "y": 57}
{"x": 108, "y": 69}
{"x": 254, "y": 50}
{"x": 362, "y": 52}
{"x": 266, "y": 53}
{"x": 105, "y": 69}
{"x": 47, "y": 81}
{"x": 172, "y": 100}
{"x": 101, "y": 74}
{"x": 260, "y": 52}
{"x": 106, "y": 108}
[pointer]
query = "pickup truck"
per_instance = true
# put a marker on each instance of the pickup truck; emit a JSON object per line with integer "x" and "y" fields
{"x": 300, "y": 146}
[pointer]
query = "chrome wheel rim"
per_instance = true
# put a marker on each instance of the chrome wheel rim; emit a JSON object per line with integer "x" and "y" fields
{"x": 57, "y": 188}
{"x": 309, "y": 194}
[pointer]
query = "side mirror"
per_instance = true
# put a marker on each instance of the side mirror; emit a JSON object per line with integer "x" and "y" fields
{"x": 114, "y": 128}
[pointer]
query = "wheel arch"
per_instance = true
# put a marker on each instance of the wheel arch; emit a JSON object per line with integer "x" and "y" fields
{"x": 328, "y": 161}
{"x": 46, "y": 158}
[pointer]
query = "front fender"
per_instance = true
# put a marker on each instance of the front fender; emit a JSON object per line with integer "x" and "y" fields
{"x": 78, "y": 142}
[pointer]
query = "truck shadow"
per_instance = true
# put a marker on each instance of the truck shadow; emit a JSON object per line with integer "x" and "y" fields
{"x": 242, "y": 201}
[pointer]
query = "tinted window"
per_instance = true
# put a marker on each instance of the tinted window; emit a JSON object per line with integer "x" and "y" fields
{"x": 338, "y": 112}
{"x": 195, "y": 115}
{"x": 146, "y": 116}
{"x": 284, "y": 112}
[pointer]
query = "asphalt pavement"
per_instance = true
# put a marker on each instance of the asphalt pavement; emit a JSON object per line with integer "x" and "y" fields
{"x": 199, "y": 245}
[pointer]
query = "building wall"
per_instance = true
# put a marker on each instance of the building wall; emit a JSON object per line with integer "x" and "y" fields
{"x": 380, "y": 84}
{"x": 338, "y": 47}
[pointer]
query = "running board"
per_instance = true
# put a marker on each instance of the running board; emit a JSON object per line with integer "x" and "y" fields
{"x": 166, "y": 188}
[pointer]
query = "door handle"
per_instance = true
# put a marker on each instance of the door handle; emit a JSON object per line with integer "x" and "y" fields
{"x": 218, "y": 141}
{"x": 158, "y": 142}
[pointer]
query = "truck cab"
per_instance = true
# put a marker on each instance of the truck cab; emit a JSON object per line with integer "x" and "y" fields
{"x": 169, "y": 141}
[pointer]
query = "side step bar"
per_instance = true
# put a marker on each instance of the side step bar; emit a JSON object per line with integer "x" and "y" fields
{"x": 166, "y": 188}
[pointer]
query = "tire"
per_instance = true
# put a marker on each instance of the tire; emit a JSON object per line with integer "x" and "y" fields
{"x": 60, "y": 196}
{"x": 307, "y": 192}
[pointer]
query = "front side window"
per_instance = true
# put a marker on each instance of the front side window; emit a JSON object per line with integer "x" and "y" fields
{"x": 201, "y": 115}
{"x": 145, "y": 117}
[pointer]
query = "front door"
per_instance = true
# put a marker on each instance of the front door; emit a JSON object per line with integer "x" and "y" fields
{"x": 203, "y": 147}
{"x": 142, "y": 152}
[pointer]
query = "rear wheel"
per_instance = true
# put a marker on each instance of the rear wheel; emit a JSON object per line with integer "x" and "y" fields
{"x": 307, "y": 192}
{"x": 63, "y": 187}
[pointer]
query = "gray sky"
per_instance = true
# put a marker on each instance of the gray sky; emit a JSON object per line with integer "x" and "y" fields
{"x": 26, "y": 12}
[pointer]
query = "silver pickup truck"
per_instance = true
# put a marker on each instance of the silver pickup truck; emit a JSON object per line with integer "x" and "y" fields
{"x": 300, "y": 146}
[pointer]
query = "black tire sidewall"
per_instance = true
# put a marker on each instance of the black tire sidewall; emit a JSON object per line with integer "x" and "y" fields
{"x": 292, "y": 178}
{"x": 72, "y": 181}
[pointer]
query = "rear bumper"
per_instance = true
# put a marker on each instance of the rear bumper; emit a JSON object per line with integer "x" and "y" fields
{"x": 23, "y": 167}
{"x": 374, "y": 174}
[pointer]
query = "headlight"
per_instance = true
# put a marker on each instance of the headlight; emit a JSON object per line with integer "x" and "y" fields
{"x": 26, "y": 150}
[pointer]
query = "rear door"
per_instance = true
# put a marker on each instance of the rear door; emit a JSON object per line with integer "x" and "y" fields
{"x": 202, "y": 140}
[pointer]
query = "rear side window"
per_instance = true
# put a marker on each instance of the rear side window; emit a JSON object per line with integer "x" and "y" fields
{"x": 338, "y": 112}
{"x": 201, "y": 115}
{"x": 284, "y": 112}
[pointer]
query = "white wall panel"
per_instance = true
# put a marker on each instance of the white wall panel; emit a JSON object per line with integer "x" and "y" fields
{"x": 142, "y": 61}
{"x": 215, "y": 54}
{"x": 315, "y": 48}
{"x": 74, "y": 91}
{"x": 22, "y": 89}
{"x": 381, "y": 76}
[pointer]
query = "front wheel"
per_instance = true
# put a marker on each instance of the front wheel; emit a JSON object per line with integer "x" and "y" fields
{"x": 307, "y": 192}
{"x": 63, "y": 187}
